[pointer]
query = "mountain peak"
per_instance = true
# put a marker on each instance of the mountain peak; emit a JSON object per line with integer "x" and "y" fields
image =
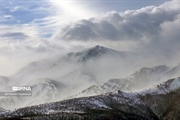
{"x": 97, "y": 52}
{"x": 92, "y": 52}
{"x": 99, "y": 49}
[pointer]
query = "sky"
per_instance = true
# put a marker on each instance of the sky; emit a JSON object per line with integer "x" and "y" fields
{"x": 48, "y": 14}
{"x": 34, "y": 29}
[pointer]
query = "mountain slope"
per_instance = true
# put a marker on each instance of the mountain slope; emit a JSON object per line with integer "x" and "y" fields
{"x": 174, "y": 72}
{"x": 156, "y": 103}
{"x": 86, "y": 72}
{"x": 74, "y": 72}
{"x": 43, "y": 91}
{"x": 143, "y": 78}
{"x": 163, "y": 98}
{"x": 96, "y": 52}
{"x": 61, "y": 66}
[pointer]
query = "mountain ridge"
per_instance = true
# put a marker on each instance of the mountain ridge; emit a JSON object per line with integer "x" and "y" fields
{"x": 75, "y": 70}
{"x": 143, "y": 106}
{"x": 98, "y": 51}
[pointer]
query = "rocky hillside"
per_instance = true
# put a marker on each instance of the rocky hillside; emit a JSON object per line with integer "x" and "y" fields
{"x": 158, "y": 103}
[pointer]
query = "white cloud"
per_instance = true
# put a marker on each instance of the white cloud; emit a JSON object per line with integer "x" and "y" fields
{"x": 18, "y": 32}
{"x": 15, "y": 54}
{"x": 136, "y": 25}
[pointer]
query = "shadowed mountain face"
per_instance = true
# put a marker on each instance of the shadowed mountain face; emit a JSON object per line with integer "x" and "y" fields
{"x": 160, "y": 102}
{"x": 163, "y": 100}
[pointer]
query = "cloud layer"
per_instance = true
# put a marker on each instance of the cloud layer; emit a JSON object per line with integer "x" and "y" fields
{"x": 142, "y": 24}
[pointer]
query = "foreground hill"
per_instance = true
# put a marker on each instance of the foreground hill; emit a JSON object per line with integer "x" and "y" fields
{"x": 158, "y": 103}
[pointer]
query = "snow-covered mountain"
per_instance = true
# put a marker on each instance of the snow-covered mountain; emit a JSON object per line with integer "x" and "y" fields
{"x": 60, "y": 77}
{"x": 97, "y": 52}
{"x": 61, "y": 66}
{"x": 157, "y": 103}
{"x": 143, "y": 78}
{"x": 85, "y": 73}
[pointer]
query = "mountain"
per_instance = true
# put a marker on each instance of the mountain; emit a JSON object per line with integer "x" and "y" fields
{"x": 163, "y": 99}
{"x": 43, "y": 90}
{"x": 46, "y": 90}
{"x": 143, "y": 78}
{"x": 97, "y": 52}
{"x": 79, "y": 74}
{"x": 158, "y": 103}
{"x": 59, "y": 77}
{"x": 61, "y": 66}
